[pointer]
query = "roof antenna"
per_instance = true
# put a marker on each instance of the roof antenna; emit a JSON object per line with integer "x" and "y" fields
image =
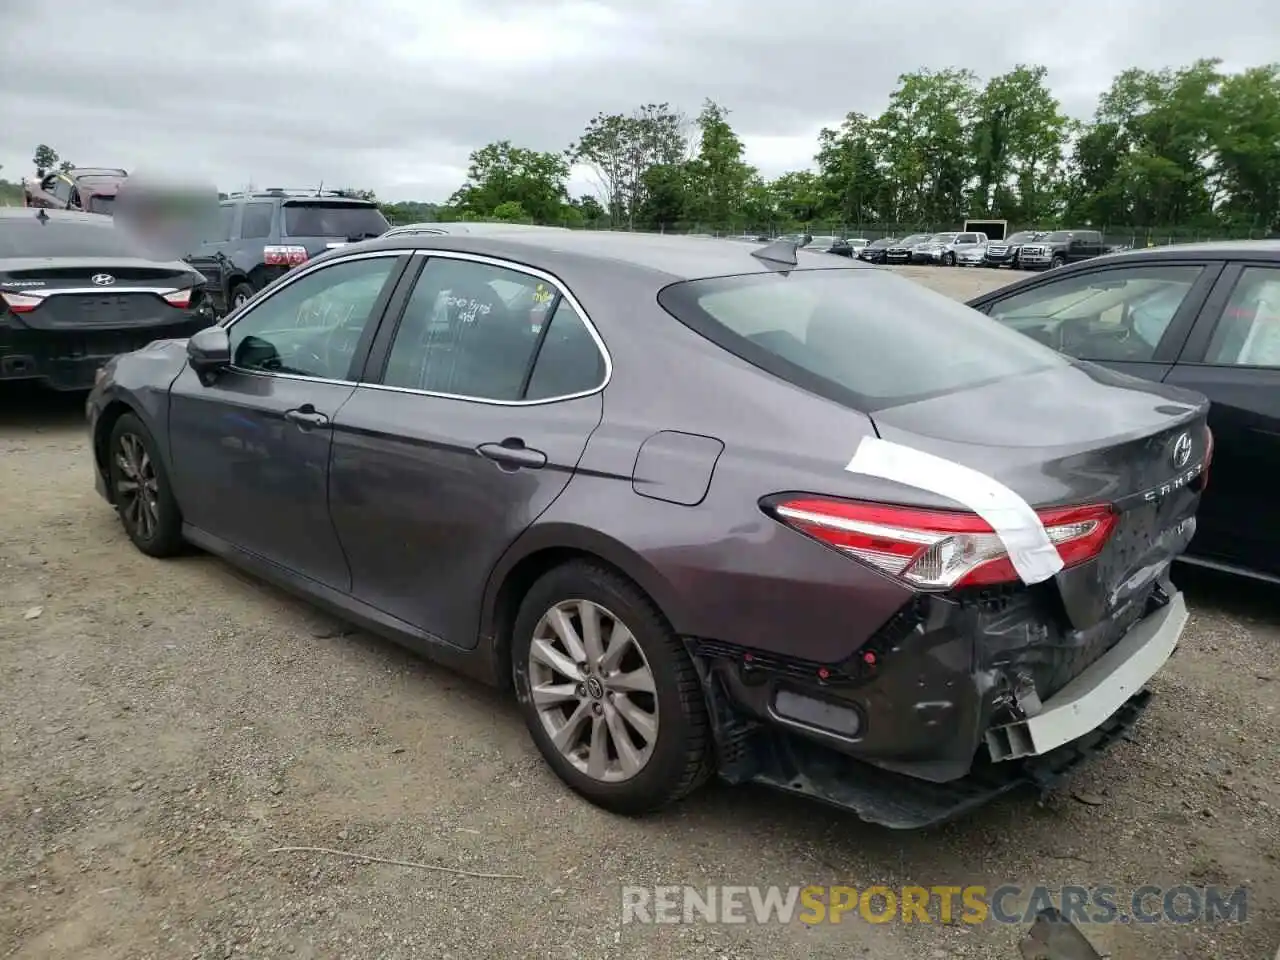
{"x": 320, "y": 189}
{"x": 42, "y": 216}
{"x": 779, "y": 255}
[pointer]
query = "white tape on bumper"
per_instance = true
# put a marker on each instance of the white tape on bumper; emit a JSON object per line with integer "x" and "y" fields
{"x": 1032, "y": 553}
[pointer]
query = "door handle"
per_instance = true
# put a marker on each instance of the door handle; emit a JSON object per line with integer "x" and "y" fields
{"x": 512, "y": 454}
{"x": 306, "y": 416}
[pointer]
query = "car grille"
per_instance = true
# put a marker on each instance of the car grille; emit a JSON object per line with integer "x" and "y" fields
{"x": 998, "y": 251}
{"x": 1033, "y": 250}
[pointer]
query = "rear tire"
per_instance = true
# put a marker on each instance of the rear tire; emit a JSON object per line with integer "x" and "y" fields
{"x": 240, "y": 294}
{"x": 141, "y": 491}
{"x": 616, "y": 709}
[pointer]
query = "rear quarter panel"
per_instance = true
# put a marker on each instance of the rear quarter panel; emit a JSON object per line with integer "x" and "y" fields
{"x": 720, "y": 569}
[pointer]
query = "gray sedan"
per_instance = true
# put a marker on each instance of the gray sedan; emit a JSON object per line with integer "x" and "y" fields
{"x": 704, "y": 507}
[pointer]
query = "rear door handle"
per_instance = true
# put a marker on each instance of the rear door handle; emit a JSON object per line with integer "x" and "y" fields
{"x": 512, "y": 454}
{"x": 306, "y": 416}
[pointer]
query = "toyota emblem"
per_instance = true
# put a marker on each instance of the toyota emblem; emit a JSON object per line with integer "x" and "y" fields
{"x": 1182, "y": 451}
{"x": 103, "y": 279}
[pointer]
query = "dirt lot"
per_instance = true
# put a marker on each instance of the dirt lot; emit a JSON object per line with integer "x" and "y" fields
{"x": 166, "y": 725}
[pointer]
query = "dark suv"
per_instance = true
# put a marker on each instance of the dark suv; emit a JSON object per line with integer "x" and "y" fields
{"x": 1061, "y": 247}
{"x": 263, "y": 234}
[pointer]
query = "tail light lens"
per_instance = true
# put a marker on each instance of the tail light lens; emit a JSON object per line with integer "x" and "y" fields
{"x": 1208, "y": 458}
{"x": 20, "y": 302}
{"x": 178, "y": 298}
{"x": 284, "y": 256}
{"x": 939, "y": 549}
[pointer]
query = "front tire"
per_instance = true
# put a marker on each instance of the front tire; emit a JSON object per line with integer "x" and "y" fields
{"x": 948, "y": 259}
{"x": 141, "y": 491}
{"x": 1058, "y": 261}
{"x": 608, "y": 691}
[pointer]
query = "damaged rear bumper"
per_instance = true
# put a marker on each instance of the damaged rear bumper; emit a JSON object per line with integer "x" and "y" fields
{"x": 1098, "y": 692}
{"x": 940, "y": 713}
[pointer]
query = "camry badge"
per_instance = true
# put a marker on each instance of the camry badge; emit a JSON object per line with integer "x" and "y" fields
{"x": 1182, "y": 451}
{"x": 103, "y": 279}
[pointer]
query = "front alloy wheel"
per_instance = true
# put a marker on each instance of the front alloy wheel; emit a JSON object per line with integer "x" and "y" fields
{"x": 137, "y": 487}
{"x": 140, "y": 489}
{"x": 594, "y": 690}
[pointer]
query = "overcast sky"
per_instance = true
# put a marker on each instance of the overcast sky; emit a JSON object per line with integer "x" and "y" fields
{"x": 393, "y": 94}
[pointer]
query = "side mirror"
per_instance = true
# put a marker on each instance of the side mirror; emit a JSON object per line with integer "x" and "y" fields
{"x": 209, "y": 351}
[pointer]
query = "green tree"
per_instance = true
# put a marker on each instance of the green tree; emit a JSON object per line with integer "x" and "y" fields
{"x": 665, "y": 196}
{"x": 1163, "y": 127}
{"x": 510, "y": 211}
{"x": 718, "y": 176}
{"x": 45, "y": 159}
{"x": 501, "y": 173}
{"x": 923, "y": 138}
{"x": 798, "y": 196}
{"x": 620, "y": 149}
{"x": 1247, "y": 143}
{"x": 1017, "y": 142}
{"x": 854, "y": 188}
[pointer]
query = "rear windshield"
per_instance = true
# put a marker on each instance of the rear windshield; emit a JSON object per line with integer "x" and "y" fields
{"x": 346, "y": 221}
{"x": 100, "y": 204}
{"x": 864, "y": 338}
{"x": 53, "y": 239}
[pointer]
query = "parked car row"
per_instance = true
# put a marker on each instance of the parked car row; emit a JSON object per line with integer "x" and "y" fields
{"x": 1024, "y": 250}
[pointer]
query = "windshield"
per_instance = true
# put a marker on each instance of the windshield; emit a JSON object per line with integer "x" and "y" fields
{"x": 880, "y": 244}
{"x": 31, "y": 238}
{"x": 914, "y": 238}
{"x": 1058, "y": 235}
{"x": 349, "y": 221}
{"x": 944, "y": 237}
{"x": 863, "y": 338}
{"x": 1022, "y": 237}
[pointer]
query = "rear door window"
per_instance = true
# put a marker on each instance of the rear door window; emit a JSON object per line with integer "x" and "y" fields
{"x": 1248, "y": 332}
{"x": 864, "y": 338}
{"x": 256, "y": 223}
{"x": 343, "y": 221}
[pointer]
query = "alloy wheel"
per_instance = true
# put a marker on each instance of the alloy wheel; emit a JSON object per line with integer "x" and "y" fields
{"x": 593, "y": 690}
{"x": 137, "y": 489}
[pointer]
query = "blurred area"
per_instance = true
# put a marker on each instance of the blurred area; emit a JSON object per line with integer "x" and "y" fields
{"x": 170, "y": 217}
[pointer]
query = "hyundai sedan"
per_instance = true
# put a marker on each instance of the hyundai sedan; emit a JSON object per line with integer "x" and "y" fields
{"x": 705, "y": 509}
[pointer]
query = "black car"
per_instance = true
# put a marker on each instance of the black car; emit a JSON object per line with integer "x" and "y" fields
{"x": 1005, "y": 253}
{"x": 264, "y": 234}
{"x": 900, "y": 250}
{"x": 874, "y": 252}
{"x": 75, "y": 291}
{"x": 1202, "y": 316}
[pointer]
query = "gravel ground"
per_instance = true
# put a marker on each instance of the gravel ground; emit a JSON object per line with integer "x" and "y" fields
{"x": 167, "y": 725}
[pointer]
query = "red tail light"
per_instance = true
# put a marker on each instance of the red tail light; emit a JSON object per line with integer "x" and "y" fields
{"x": 178, "y": 298}
{"x": 20, "y": 302}
{"x": 939, "y": 549}
{"x": 1208, "y": 458}
{"x": 284, "y": 256}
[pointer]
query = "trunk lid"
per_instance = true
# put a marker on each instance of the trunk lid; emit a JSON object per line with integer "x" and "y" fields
{"x": 94, "y": 293}
{"x": 1068, "y": 436}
